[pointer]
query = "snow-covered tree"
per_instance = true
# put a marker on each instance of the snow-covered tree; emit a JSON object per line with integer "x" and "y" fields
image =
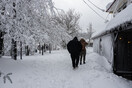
{"x": 69, "y": 21}
{"x": 30, "y": 22}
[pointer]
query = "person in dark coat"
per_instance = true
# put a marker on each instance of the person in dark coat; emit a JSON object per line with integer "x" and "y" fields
{"x": 74, "y": 47}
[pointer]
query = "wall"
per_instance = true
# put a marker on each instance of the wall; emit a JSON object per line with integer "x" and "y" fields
{"x": 104, "y": 46}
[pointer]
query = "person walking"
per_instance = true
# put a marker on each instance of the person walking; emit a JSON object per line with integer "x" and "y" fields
{"x": 83, "y": 51}
{"x": 74, "y": 47}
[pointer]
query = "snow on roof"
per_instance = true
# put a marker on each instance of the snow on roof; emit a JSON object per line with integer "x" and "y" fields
{"x": 122, "y": 17}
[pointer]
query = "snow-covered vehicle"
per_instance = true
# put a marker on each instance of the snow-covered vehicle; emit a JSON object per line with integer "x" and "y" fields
{"x": 115, "y": 41}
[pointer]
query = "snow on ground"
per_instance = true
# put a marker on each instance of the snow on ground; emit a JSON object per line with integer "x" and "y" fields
{"x": 55, "y": 71}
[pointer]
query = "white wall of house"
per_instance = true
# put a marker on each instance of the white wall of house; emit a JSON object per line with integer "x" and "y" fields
{"x": 104, "y": 46}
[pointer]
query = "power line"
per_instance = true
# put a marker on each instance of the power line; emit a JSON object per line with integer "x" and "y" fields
{"x": 96, "y": 6}
{"x": 94, "y": 10}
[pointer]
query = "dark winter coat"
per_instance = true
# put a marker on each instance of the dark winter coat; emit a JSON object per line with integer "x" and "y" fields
{"x": 74, "y": 47}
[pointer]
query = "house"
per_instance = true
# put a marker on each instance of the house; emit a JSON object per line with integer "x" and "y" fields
{"x": 90, "y": 42}
{"x": 115, "y": 41}
{"x": 117, "y": 5}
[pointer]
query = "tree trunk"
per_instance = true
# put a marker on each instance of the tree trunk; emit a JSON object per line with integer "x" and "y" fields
{"x": 14, "y": 49}
{"x": 49, "y": 48}
{"x": 42, "y": 50}
{"x": 1, "y": 43}
{"x": 27, "y": 50}
{"x": 20, "y": 50}
{"x": 44, "y": 47}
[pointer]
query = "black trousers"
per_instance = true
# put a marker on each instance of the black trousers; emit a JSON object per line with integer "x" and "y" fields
{"x": 75, "y": 60}
{"x": 82, "y": 56}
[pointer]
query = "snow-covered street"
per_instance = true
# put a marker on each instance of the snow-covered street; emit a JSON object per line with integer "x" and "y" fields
{"x": 55, "y": 71}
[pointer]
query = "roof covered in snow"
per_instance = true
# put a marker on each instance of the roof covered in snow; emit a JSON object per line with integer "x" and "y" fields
{"x": 121, "y": 18}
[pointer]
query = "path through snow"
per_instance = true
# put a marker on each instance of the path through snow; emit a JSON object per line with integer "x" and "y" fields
{"x": 55, "y": 71}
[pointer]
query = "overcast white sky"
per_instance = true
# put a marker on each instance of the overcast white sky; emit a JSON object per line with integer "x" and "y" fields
{"x": 87, "y": 15}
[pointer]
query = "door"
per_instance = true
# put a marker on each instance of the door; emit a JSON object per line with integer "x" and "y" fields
{"x": 123, "y": 52}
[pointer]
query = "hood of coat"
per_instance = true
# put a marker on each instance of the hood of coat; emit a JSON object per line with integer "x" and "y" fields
{"x": 75, "y": 39}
